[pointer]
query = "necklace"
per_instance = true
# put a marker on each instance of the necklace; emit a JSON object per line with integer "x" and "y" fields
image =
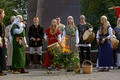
{"x": 53, "y": 32}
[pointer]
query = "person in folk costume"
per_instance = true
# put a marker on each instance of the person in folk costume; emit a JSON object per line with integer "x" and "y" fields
{"x": 9, "y": 46}
{"x": 54, "y": 35}
{"x": 17, "y": 34}
{"x": 117, "y": 34}
{"x": 71, "y": 33}
{"x": 60, "y": 25}
{"x": 36, "y": 34}
{"x": 82, "y": 27}
{"x": 105, "y": 54}
{"x": 114, "y": 51}
{"x": 3, "y": 45}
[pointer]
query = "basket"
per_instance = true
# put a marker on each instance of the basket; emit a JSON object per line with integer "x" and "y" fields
{"x": 87, "y": 69}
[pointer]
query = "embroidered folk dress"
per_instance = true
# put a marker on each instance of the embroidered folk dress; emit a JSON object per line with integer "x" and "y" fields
{"x": 52, "y": 39}
{"x": 105, "y": 54}
{"x": 19, "y": 59}
{"x": 71, "y": 33}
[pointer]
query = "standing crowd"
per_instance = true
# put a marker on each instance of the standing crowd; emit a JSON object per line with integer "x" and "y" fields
{"x": 13, "y": 38}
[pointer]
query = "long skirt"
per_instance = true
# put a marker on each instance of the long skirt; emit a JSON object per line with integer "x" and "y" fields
{"x": 2, "y": 57}
{"x": 105, "y": 53}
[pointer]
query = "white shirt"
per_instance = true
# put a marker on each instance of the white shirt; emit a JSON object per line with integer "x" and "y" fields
{"x": 76, "y": 36}
{"x": 109, "y": 32}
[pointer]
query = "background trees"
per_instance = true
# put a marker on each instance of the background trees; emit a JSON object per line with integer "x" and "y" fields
{"x": 92, "y": 9}
{"x": 13, "y": 7}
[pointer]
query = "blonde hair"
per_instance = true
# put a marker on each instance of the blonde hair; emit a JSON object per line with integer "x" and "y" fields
{"x": 105, "y": 24}
{"x": 73, "y": 24}
{"x": 54, "y": 20}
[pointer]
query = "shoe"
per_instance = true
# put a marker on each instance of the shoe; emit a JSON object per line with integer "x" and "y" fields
{"x": 3, "y": 74}
{"x": 24, "y": 72}
{"x": 100, "y": 70}
{"x": 40, "y": 62}
{"x": 118, "y": 67}
{"x": 106, "y": 70}
{"x": 31, "y": 63}
{"x": 48, "y": 72}
{"x": 9, "y": 70}
{"x": 15, "y": 72}
{"x": 19, "y": 70}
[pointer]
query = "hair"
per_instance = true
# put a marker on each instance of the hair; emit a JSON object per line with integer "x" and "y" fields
{"x": 36, "y": 17}
{"x": 73, "y": 24}
{"x": 82, "y": 17}
{"x": 52, "y": 25}
{"x": 117, "y": 23}
{"x": 105, "y": 24}
{"x": 19, "y": 16}
{"x": 1, "y": 10}
{"x": 13, "y": 17}
{"x": 57, "y": 17}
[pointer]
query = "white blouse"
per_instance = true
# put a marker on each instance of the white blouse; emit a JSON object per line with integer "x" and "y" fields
{"x": 109, "y": 32}
{"x": 76, "y": 36}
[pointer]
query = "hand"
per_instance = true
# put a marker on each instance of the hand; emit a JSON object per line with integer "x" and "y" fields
{"x": 103, "y": 41}
{"x": 5, "y": 46}
{"x": 24, "y": 22}
{"x": 1, "y": 45}
{"x": 46, "y": 40}
{"x": 38, "y": 39}
{"x": 34, "y": 39}
{"x": 26, "y": 48}
{"x": 98, "y": 41}
{"x": 76, "y": 46}
{"x": 90, "y": 30}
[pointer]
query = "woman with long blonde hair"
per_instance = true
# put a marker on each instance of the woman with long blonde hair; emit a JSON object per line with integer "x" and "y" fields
{"x": 54, "y": 35}
{"x": 71, "y": 33}
{"x": 105, "y": 54}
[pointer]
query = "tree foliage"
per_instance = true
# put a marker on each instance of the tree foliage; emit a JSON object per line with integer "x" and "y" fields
{"x": 13, "y": 7}
{"x": 94, "y": 9}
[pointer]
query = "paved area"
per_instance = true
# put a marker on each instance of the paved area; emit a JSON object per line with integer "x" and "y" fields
{"x": 38, "y": 74}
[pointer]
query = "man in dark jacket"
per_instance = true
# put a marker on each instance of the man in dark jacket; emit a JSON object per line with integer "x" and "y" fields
{"x": 36, "y": 34}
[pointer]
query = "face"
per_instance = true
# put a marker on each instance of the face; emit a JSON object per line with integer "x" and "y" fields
{"x": 2, "y": 14}
{"x": 54, "y": 23}
{"x": 119, "y": 21}
{"x": 102, "y": 21}
{"x": 58, "y": 20}
{"x": 82, "y": 20}
{"x": 70, "y": 20}
{"x": 35, "y": 20}
{"x": 12, "y": 21}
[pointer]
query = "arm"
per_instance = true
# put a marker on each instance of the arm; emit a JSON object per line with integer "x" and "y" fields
{"x": 97, "y": 35}
{"x": 25, "y": 41}
{"x": 41, "y": 33}
{"x": 110, "y": 33}
{"x": 77, "y": 36}
{"x": 64, "y": 33}
{"x": 30, "y": 33}
{"x": 59, "y": 37}
{"x": 18, "y": 31}
{"x": 7, "y": 32}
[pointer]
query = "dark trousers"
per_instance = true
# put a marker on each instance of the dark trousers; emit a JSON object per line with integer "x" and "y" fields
{"x": 88, "y": 55}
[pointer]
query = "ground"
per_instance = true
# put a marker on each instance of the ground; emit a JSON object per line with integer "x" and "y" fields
{"x": 38, "y": 74}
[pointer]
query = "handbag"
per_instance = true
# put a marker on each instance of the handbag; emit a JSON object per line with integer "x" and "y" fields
{"x": 20, "y": 41}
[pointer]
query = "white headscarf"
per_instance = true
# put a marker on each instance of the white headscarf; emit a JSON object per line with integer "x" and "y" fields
{"x": 17, "y": 22}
